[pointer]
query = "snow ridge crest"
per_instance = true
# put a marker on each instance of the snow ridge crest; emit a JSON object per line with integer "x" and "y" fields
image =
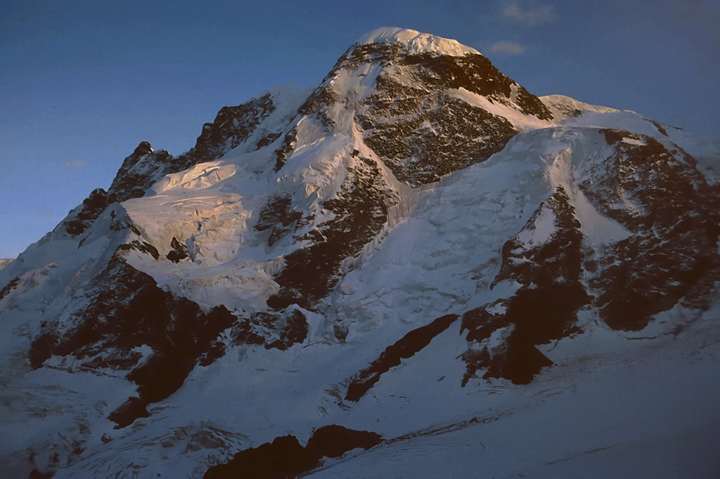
{"x": 417, "y": 42}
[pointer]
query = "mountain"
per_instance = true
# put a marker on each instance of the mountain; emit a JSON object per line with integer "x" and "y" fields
{"x": 417, "y": 269}
{"x": 4, "y": 262}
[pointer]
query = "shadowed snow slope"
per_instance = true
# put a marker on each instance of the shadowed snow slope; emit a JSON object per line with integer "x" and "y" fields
{"x": 417, "y": 269}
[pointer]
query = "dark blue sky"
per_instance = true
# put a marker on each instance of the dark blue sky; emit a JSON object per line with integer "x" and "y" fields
{"x": 82, "y": 82}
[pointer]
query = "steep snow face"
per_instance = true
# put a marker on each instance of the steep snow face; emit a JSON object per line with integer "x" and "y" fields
{"x": 445, "y": 254}
{"x": 444, "y": 258}
{"x": 415, "y": 42}
{"x": 418, "y": 230}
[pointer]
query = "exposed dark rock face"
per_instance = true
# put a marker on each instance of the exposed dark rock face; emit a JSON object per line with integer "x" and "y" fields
{"x": 360, "y": 211}
{"x": 141, "y": 246}
{"x": 35, "y": 474}
{"x": 177, "y": 252}
{"x": 272, "y": 330}
{"x": 477, "y": 74}
{"x": 267, "y": 140}
{"x": 231, "y": 127}
{"x": 543, "y": 309}
{"x": 286, "y": 148}
{"x": 317, "y": 104}
{"x": 661, "y": 129}
{"x": 128, "y": 311}
{"x": 90, "y": 209}
{"x": 132, "y": 409}
{"x": 672, "y": 251}
{"x": 12, "y": 284}
{"x": 294, "y": 331}
{"x": 285, "y": 457}
{"x": 279, "y": 217}
{"x": 43, "y": 346}
{"x": 139, "y": 171}
{"x": 334, "y": 440}
{"x": 423, "y": 136}
{"x": 562, "y": 250}
{"x": 420, "y": 130}
{"x": 282, "y": 458}
{"x": 405, "y": 347}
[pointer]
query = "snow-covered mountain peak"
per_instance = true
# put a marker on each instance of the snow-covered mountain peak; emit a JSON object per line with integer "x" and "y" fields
{"x": 143, "y": 148}
{"x": 417, "y": 42}
{"x": 417, "y": 230}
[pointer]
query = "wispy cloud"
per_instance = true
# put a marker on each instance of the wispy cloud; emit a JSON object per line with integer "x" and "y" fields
{"x": 529, "y": 15}
{"x": 75, "y": 164}
{"x": 507, "y": 48}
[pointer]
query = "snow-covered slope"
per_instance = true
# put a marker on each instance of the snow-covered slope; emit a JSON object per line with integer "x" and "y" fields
{"x": 417, "y": 42}
{"x": 323, "y": 269}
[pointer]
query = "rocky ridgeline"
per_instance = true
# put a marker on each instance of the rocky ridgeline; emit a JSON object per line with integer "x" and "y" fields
{"x": 232, "y": 126}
